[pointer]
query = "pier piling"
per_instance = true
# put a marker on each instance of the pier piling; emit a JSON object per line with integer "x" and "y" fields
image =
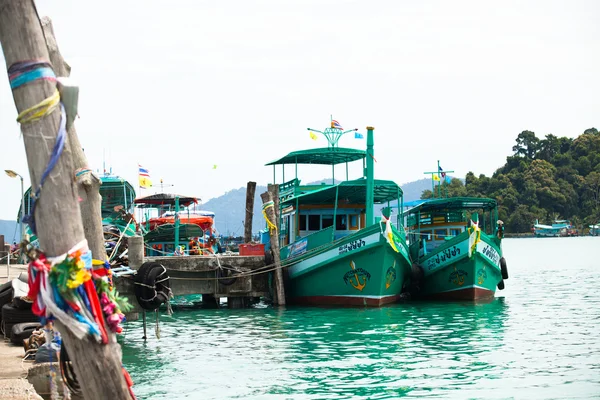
{"x": 59, "y": 226}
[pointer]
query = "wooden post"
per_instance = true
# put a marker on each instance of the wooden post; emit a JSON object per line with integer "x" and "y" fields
{"x": 59, "y": 228}
{"x": 88, "y": 185}
{"x": 250, "y": 190}
{"x": 271, "y": 214}
{"x": 135, "y": 244}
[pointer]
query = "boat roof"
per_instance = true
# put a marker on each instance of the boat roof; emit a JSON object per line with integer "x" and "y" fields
{"x": 164, "y": 199}
{"x": 324, "y": 156}
{"x": 453, "y": 203}
{"x": 353, "y": 192}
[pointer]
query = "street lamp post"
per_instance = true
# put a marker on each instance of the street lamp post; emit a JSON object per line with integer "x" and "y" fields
{"x": 13, "y": 174}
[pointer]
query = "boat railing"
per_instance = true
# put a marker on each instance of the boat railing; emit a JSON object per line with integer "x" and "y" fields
{"x": 308, "y": 242}
{"x": 288, "y": 189}
{"x": 435, "y": 218}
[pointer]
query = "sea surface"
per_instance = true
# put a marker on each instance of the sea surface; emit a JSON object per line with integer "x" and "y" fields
{"x": 538, "y": 339}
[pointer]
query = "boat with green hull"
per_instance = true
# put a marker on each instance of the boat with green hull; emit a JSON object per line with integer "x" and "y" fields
{"x": 337, "y": 252}
{"x": 459, "y": 253}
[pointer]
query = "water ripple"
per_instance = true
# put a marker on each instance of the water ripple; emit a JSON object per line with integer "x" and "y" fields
{"x": 537, "y": 339}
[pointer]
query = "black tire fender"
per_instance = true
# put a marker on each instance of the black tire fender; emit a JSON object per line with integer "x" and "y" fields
{"x": 152, "y": 286}
{"x": 226, "y": 276}
{"x": 501, "y": 285}
{"x": 22, "y": 331}
{"x": 503, "y": 268}
{"x": 6, "y": 286}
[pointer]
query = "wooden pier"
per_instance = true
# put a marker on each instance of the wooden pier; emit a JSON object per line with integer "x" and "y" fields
{"x": 210, "y": 276}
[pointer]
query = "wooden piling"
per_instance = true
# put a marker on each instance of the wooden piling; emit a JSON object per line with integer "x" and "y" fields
{"x": 59, "y": 228}
{"x": 274, "y": 240}
{"x": 135, "y": 251}
{"x": 88, "y": 184}
{"x": 250, "y": 190}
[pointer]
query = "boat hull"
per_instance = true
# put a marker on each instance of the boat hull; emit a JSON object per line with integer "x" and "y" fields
{"x": 361, "y": 270}
{"x": 451, "y": 273}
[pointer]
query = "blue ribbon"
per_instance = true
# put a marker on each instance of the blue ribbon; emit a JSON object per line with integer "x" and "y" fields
{"x": 29, "y": 76}
{"x": 56, "y": 152}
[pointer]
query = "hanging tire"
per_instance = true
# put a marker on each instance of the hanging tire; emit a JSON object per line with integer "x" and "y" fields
{"x": 501, "y": 285}
{"x": 22, "y": 331}
{"x": 226, "y": 276}
{"x": 503, "y": 268}
{"x": 417, "y": 273}
{"x": 152, "y": 287}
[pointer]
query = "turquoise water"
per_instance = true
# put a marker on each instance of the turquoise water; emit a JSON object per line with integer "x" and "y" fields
{"x": 539, "y": 338}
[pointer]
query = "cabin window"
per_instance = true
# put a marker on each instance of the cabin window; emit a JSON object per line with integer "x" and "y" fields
{"x": 440, "y": 234}
{"x": 302, "y": 222}
{"x": 353, "y": 221}
{"x": 314, "y": 222}
{"x": 455, "y": 231}
{"x": 327, "y": 221}
{"x": 341, "y": 222}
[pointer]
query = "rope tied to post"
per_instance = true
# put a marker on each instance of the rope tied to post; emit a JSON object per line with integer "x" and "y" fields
{"x": 271, "y": 225}
{"x": 68, "y": 289}
{"x": 25, "y": 72}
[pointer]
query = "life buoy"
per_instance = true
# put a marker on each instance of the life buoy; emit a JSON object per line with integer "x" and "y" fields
{"x": 152, "y": 287}
{"x": 503, "y": 268}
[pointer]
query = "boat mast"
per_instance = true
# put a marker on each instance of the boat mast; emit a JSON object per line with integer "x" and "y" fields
{"x": 370, "y": 178}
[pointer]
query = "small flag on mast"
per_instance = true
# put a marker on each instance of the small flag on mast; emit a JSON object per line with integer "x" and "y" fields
{"x": 441, "y": 170}
{"x": 335, "y": 124}
{"x": 435, "y": 177}
{"x": 144, "y": 177}
{"x": 313, "y": 136}
{"x": 358, "y": 135}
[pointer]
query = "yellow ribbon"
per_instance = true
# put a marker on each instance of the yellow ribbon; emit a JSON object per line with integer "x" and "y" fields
{"x": 475, "y": 237}
{"x": 40, "y": 110}
{"x": 271, "y": 225}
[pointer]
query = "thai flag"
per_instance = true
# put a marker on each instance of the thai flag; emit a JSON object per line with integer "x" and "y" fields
{"x": 143, "y": 171}
{"x": 442, "y": 173}
{"x": 335, "y": 124}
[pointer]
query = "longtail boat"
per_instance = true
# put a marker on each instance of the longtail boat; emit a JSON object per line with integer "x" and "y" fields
{"x": 459, "y": 252}
{"x": 337, "y": 251}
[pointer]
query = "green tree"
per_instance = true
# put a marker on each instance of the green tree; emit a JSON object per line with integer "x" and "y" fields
{"x": 527, "y": 145}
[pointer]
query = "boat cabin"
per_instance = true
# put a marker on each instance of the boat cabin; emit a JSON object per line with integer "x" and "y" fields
{"x": 326, "y": 212}
{"x": 432, "y": 222}
{"x": 169, "y": 229}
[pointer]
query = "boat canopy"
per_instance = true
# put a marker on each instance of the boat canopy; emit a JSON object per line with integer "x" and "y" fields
{"x": 166, "y": 233}
{"x": 324, "y": 156}
{"x": 453, "y": 203}
{"x": 115, "y": 191}
{"x": 160, "y": 199}
{"x": 351, "y": 192}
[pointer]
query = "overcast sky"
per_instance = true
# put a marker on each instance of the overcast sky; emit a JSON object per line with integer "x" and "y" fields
{"x": 180, "y": 86}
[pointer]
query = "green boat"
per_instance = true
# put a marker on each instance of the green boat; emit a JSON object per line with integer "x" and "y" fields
{"x": 336, "y": 250}
{"x": 460, "y": 254}
{"x": 116, "y": 207}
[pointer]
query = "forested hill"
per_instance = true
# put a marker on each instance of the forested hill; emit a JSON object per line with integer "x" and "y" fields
{"x": 546, "y": 179}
